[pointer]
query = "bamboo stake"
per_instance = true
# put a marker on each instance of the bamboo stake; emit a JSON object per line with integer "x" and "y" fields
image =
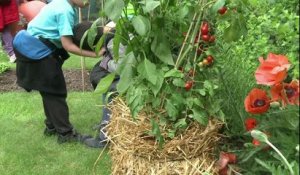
{"x": 82, "y": 59}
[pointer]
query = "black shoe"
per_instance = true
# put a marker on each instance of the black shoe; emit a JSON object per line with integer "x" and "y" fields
{"x": 95, "y": 142}
{"x": 73, "y": 136}
{"x": 49, "y": 131}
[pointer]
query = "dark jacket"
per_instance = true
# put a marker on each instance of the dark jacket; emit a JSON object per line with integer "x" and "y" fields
{"x": 44, "y": 75}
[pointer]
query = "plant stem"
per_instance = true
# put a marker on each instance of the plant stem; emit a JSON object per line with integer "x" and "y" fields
{"x": 282, "y": 156}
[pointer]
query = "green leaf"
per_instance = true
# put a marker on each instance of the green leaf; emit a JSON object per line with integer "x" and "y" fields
{"x": 155, "y": 88}
{"x": 218, "y": 5}
{"x": 178, "y": 82}
{"x": 198, "y": 102}
{"x": 135, "y": 99}
{"x": 171, "y": 110}
{"x": 126, "y": 72}
{"x": 113, "y": 9}
{"x": 141, "y": 25}
{"x": 117, "y": 41}
{"x": 83, "y": 38}
{"x": 181, "y": 123}
{"x": 174, "y": 73}
{"x": 92, "y": 33}
{"x": 161, "y": 48}
{"x": 236, "y": 29}
{"x": 156, "y": 132}
{"x": 105, "y": 83}
{"x": 183, "y": 12}
{"x": 100, "y": 43}
{"x": 171, "y": 133}
{"x": 150, "y": 5}
{"x": 202, "y": 92}
{"x": 147, "y": 70}
{"x": 200, "y": 116}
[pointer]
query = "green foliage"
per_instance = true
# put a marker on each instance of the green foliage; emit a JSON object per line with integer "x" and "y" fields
{"x": 240, "y": 58}
{"x": 4, "y": 67}
{"x": 272, "y": 26}
{"x": 278, "y": 169}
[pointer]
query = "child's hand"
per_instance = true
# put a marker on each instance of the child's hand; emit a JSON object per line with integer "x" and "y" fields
{"x": 102, "y": 51}
{"x": 107, "y": 28}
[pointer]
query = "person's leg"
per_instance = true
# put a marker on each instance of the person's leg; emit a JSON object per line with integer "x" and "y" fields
{"x": 57, "y": 112}
{"x": 101, "y": 140}
{"x": 7, "y": 44}
{"x": 57, "y": 116}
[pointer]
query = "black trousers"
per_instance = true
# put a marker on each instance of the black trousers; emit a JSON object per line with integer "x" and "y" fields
{"x": 57, "y": 112}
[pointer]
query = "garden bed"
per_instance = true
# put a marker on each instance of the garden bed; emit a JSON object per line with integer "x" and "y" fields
{"x": 134, "y": 151}
{"x": 73, "y": 80}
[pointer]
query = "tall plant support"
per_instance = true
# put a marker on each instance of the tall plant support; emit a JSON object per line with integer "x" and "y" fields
{"x": 82, "y": 59}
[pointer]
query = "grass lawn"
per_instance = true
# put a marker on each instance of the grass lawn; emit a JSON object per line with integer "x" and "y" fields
{"x": 24, "y": 150}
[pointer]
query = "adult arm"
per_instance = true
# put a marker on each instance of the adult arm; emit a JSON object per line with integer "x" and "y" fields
{"x": 69, "y": 46}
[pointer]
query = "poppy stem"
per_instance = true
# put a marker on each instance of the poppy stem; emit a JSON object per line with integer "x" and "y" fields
{"x": 282, "y": 156}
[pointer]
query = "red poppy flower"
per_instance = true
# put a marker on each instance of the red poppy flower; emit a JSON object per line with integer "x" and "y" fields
{"x": 223, "y": 161}
{"x": 257, "y": 101}
{"x": 273, "y": 70}
{"x": 287, "y": 93}
{"x": 255, "y": 142}
{"x": 277, "y": 92}
{"x": 223, "y": 171}
{"x": 292, "y": 92}
{"x": 250, "y": 123}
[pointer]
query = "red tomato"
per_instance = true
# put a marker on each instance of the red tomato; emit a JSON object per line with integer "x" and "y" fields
{"x": 212, "y": 39}
{"x": 222, "y": 10}
{"x": 210, "y": 59}
{"x": 205, "y": 37}
{"x": 188, "y": 85}
{"x": 204, "y": 28}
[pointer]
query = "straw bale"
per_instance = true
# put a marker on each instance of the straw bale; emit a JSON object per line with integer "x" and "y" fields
{"x": 135, "y": 153}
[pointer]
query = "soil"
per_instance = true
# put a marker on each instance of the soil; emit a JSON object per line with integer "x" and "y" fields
{"x": 73, "y": 80}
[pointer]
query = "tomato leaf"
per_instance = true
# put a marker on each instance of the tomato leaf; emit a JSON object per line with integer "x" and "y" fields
{"x": 161, "y": 48}
{"x": 218, "y": 5}
{"x": 141, "y": 25}
{"x": 105, "y": 83}
{"x": 200, "y": 116}
{"x": 113, "y": 9}
{"x": 159, "y": 82}
{"x": 174, "y": 73}
{"x": 150, "y": 5}
{"x": 147, "y": 70}
{"x": 126, "y": 72}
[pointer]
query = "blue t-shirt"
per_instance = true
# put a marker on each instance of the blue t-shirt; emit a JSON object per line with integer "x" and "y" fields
{"x": 56, "y": 19}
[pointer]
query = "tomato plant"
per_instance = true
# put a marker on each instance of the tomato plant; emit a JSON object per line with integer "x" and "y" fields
{"x": 165, "y": 41}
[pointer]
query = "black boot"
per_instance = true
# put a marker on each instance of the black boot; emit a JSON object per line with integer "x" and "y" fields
{"x": 95, "y": 142}
{"x": 49, "y": 131}
{"x": 72, "y": 136}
